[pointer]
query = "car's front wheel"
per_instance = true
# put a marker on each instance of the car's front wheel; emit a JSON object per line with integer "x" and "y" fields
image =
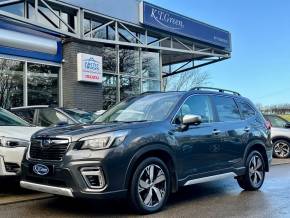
{"x": 255, "y": 172}
{"x": 150, "y": 186}
{"x": 281, "y": 149}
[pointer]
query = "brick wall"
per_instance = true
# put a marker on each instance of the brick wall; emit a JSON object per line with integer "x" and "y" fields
{"x": 87, "y": 96}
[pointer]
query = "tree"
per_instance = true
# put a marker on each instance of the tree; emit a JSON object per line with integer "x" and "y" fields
{"x": 186, "y": 80}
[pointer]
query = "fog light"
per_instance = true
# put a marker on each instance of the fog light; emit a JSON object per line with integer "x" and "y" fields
{"x": 94, "y": 177}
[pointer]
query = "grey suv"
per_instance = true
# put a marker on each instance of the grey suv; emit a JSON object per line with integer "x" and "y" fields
{"x": 148, "y": 146}
{"x": 280, "y": 134}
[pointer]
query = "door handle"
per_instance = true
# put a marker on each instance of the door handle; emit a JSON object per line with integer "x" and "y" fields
{"x": 216, "y": 132}
{"x": 247, "y": 129}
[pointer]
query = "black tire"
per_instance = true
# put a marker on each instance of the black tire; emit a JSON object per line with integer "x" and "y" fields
{"x": 281, "y": 149}
{"x": 140, "y": 194}
{"x": 248, "y": 181}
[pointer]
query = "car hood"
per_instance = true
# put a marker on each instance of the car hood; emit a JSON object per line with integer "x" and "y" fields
{"x": 76, "y": 132}
{"x": 280, "y": 132}
{"x": 20, "y": 132}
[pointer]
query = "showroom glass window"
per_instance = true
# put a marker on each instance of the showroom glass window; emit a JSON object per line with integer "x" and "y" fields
{"x": 150, "y": 71}
{"x": 42, "y": 84}
{"x": 129, "y": 67}
{"x": 110, "y": 78}
{"x": 11, "y": 83}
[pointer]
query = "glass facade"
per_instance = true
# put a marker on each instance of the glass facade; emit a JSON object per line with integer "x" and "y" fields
{"x": 128, "y": 72}
{"x": 11, "y": 83}
{"x": 42, "y": 84}
{"x": 18, "y": 88}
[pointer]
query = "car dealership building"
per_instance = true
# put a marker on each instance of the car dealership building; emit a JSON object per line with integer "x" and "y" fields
{"x": 91, "y": 54}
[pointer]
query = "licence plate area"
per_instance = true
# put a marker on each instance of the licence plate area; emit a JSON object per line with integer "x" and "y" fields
{"x": 42, "y": 170}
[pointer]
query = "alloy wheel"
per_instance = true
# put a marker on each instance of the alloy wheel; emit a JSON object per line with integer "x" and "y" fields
{"x": 152, "y": 186}
{"x": 256, "y": 170}
{"x": 282, "y": 149}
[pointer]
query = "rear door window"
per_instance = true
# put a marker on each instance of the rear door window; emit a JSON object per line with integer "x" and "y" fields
{"x": 226, "y": 108}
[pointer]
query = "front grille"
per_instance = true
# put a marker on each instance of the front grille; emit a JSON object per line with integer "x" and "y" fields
{"x": 48, "y": 149}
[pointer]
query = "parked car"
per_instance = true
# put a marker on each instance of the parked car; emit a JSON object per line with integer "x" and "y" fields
{"x": 280, "y": 136}
{"x": 15, "y": 135}
{"x": 47, "y": 116}
{"x": 148, "y": 146}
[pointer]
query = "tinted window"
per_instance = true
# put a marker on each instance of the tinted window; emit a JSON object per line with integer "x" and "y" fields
{"x": 227, "y": 109}
{"x": 27, "y": 115}
{"x": 196, "y": 105}
{"x": 277, "y": 121}
{"x": 50, "y": 117}
{"x": 9, "y": 119}
{"x": 246, "y": 110}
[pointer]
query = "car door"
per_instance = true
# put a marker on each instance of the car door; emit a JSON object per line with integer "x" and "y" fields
{"x": 198, "y": 143}
{"x": 233, "y": 130}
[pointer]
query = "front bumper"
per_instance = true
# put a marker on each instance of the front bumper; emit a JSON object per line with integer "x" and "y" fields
{"x": 79, "y": 175}
{"x": 47, "y": 189}
{"x": 10, "y": 161}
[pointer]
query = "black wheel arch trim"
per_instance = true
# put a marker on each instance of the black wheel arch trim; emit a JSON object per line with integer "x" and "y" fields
{"x": 146, "y": 149}
{"x": 278, "y": 138}
{"x": 260, "y": 144}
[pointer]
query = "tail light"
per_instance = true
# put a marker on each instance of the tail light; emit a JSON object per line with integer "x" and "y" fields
{"x": 268, "y": 124}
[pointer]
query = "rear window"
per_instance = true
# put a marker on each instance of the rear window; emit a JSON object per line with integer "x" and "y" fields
{"x": 226, "y": 108}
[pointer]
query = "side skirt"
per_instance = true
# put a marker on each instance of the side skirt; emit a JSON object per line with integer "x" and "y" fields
{"x": 210, "y": 178}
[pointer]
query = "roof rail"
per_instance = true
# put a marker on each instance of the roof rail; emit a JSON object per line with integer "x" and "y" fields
{"x": 216, "y": 89}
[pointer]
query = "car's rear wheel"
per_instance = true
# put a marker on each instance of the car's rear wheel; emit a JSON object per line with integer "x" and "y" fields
{"x": 281, "y": 149}
{"x": 255, "y": 172}
{"x": 150, "y": 186}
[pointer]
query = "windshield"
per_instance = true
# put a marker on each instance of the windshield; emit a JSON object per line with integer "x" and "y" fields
{"x": 145, "y": 108}
{"x": 277, "y": 121}
{"x": 9, "y": 119}
{"x": 80, "y": 116}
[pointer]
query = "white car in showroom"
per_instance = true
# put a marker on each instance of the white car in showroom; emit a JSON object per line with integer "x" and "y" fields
{"x": 15, "y": 135}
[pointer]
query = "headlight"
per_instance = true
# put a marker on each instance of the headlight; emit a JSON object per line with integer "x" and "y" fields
{"x": 13, "y": 142}
{"x": 103, "y": 141}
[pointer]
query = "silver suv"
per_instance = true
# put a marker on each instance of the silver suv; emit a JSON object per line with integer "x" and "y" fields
{"x": 280, "y": 133}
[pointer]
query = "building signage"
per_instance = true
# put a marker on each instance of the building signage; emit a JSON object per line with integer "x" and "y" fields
{"x": 90, "y": 68}
{"x": 161, "y": 18}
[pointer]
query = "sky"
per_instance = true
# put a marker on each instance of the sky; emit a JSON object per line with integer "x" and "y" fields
{"x": 260, "y": 64}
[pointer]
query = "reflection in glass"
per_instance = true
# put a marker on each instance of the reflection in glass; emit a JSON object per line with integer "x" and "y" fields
{"x": 129, "y": 86}
{"x": 129, "y": 62}
{"x": 109, "y": 60}
{"x": 150, "y": 65}
{"x": 150, "y": 85}
{"x": 11, "y": 83}
{"x": 42, "y": 84}
{"x": 109, "y": 90}
{"x": 17, "y": 9}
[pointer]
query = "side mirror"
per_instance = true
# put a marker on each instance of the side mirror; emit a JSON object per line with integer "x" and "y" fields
{"x": 191, "y": 120}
